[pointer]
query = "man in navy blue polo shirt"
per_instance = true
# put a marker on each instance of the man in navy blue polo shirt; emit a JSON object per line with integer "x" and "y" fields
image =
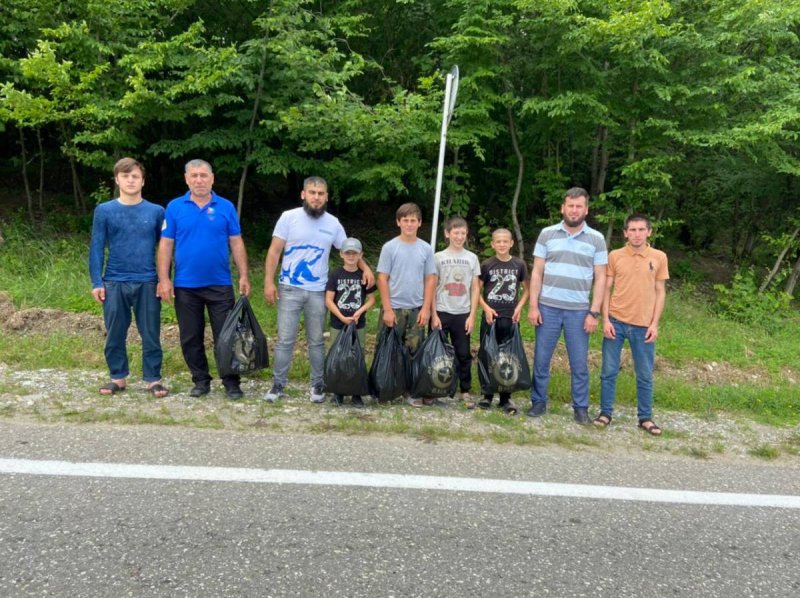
{"x": 199, "y": 228}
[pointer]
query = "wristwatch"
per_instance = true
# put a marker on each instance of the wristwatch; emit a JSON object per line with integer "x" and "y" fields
{"x": 595, "y": 314}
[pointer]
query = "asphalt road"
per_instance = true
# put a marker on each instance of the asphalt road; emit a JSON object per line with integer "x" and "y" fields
{"x": 84, "y": 536}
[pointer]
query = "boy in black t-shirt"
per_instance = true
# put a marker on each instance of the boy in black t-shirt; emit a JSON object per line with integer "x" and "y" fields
{"x": 501, "y": 277}
{"x": 348, "y": 299}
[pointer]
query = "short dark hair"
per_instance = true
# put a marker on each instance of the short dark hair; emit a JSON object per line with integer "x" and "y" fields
{"x": 126, "y": 165}
{"x": 576, "y": 192}
{"x": 408, "y": 209}
{"x": 637, "y": 218}
{"x": 316, "y": 181}
{"x": 455, "y": 222}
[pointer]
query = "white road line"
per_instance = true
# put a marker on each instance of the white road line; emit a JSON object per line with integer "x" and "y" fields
{"x": 387, "y": 480}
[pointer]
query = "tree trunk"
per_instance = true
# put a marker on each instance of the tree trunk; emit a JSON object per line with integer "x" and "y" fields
{"x": 599, "y": 162}
{"x": 791, "y": 283}
{"x": 512, "y": 127}
{"x": 778, "y": 262}
{"x": 251, "y": 127}
{"x": 41, "y": 169}
{"x": 77, "y": 190}
{"x": 24, "y": 155}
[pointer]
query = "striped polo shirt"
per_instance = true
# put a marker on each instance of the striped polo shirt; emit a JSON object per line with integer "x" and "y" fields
{"x": 569, "y": 261}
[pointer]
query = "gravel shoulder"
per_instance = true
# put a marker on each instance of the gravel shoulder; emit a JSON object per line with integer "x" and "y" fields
{"x": 50, "y": 396}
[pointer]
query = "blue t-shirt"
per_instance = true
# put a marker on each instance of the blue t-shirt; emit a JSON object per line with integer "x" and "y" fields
{"x": 307, "y": 248}
{"x": 407, "y": 265}
{"x": 202, "y": 253}
{"x": 131, "y": 233}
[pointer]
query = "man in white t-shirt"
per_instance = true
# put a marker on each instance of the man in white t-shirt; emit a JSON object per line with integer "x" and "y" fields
{"x": 304, "y": 236}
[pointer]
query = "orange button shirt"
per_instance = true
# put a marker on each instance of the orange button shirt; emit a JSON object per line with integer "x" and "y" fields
{"x": 633, "y": 297}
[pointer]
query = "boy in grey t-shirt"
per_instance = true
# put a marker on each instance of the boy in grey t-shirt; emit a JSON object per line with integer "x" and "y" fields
{"x": 457, "y": 298}
{"x": 406, "y": 281}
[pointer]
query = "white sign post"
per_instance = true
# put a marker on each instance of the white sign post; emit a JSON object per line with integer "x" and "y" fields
{"x": 450, "y": 91}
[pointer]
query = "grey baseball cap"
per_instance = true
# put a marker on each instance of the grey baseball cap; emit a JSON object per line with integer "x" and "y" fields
{"x": 351, "y": 244}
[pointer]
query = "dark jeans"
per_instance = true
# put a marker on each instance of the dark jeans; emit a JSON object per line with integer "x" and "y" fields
{"x": 190, "y": 307}
{"x": 502, "y": 330}
{"x": 453, "y": 328}
{"x": 121, "y": 298}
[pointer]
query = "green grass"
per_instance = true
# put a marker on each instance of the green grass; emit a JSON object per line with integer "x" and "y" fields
{"x": 46, "y": 269}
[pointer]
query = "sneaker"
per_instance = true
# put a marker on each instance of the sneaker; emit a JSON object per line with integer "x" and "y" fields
{"x": 338, "y": 399}
{"x": 508, "y": 407}
{"x": 537, "y": 410}
{"x": 234, "y": 391}
{"x": 582, "y": 416}
{"x": 275, "y": 393}
{"x": 357, "y": 401}
{"x": 317, "y": 394}
{"x": 200, "y": 389}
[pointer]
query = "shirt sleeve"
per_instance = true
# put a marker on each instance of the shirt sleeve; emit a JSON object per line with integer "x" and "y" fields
{"x": 341, "y": 236}
{"x": 234, "y": 228}
{"x": 97, "y": 248}
{"x": 282, "y": 227}
{"x": 385, "y": 260}
{"x": 168, "y": 227}
{"x": 430, "y": 263}
{"x": 331, "y": 285}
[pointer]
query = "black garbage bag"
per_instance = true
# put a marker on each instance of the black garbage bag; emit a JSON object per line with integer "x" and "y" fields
{"x": 241, "y": 347}
{"x": 434, "y": 367}
{"x": 503, "y": 367}
{"x": 345, "y": 368}
{"x": 388, "y": 373}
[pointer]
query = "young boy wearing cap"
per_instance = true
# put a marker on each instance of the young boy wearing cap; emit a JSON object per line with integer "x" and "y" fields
{"x": 348, "y": 299}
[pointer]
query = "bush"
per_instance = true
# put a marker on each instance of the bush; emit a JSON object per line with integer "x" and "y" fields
{"x": 741, "y": 302}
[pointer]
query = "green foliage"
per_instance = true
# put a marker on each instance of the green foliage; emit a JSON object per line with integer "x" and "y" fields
{"x": 741, "y": 302}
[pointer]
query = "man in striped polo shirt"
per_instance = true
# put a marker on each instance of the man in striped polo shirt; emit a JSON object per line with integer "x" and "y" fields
{"x": 569, "y": 261}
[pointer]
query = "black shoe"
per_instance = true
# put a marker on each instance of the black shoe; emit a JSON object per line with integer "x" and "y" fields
{"x": 338, "y": 399}
{"x": 357, "y": 401}
{"x": 234, "y": 391}
{"x": 538, "y": 410}
{"x": 200, "y": 389}
{"x": 582, "y": 417}
{"x": 485, "y": 402}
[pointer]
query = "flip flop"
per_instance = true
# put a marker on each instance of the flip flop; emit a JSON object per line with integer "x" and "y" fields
{"x": 602, "y": 420}
{"x": 652, "y": 429}
{"x": 158, "y": 390}
{"x": 112, "y": 388}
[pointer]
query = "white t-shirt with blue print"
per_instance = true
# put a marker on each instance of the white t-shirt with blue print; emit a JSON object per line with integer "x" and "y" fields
{"x": 307, "y": 249}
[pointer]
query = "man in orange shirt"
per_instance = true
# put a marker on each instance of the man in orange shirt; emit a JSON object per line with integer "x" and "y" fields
{"x": 634, "y": 300}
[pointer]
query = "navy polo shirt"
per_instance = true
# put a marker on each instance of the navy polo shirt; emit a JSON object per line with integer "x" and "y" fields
{"x": 201, "y": 235}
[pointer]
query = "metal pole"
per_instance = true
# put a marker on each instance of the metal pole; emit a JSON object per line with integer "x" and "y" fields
{"x": 442, "y": 146}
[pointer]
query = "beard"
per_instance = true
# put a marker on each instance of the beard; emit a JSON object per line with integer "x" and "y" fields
{"x": 313, "y": 212}
{"x": 574, "y": 223}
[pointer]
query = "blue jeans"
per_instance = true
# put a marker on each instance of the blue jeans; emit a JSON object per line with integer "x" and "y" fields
{"x": 140, "y": 297}
{"x": 643, "y": 354}
{"x": 571, "y": 321}
{"x": 292, "y": 303}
